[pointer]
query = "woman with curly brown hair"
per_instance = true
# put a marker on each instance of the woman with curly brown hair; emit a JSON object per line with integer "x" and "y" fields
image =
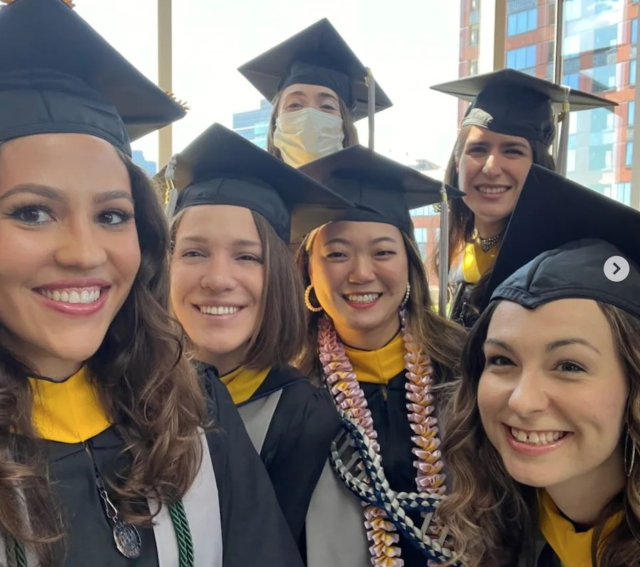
{"x": 318, "y": 89}
{"x": 544, "y": 426}
{"x": 105, "y": 459}
{"x": 376, "y": 343}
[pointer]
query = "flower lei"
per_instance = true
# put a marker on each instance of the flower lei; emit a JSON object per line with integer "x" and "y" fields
{"x": 352, "y": 405}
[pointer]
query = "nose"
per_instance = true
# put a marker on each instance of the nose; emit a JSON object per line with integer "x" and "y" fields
{"x": 529, "y": 396}
{"x": 362, "y": 271}
{"x": 218, "y": 275}
{"x": 493, "y": 165}
{"x": 81, "y": 244}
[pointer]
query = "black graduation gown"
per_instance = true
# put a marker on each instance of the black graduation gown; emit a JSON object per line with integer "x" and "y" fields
{"x": 388, "y": 405}
{"x": 253, "y": 529}
{"x": 297, "y": 442}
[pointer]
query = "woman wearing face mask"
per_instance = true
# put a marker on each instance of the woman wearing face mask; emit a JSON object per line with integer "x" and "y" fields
{"x": 104, "y": 458}
{"x": 237, "y": 293}
{"x": 545, "y": 424}
{"x": 317, "y": 87}
{"x": 509, "y": 126}
{"x": 375, "y": 342}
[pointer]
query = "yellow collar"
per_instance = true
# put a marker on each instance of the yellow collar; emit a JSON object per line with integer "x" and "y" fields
{"x": 378, "y": 366}
{"x": 476, "y": 262}
{"x": 69, "y": 411}
{"x": 573, "y": 548}
{"x": 243, "y": 383}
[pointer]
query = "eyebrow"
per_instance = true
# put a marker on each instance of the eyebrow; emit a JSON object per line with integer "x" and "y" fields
{"x": 519, "y": 145}
{"x": 571, "y": 341}
{"x": 55, "y": 195}
{"x": 499, "y": 343}
{"x": 340, "y": 240}
{"x": 204, "y": 240}
{"x": 302, "y": 93}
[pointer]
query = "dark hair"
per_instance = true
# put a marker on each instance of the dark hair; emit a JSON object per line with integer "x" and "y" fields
{"x": 348, "y": 126}
{"x": 492, "y": 518}
{"x": 280, "y": 327}
{"x": 149, "y": 391}
{"x": 461, "y": 217}
{"x": 441, "y": 339}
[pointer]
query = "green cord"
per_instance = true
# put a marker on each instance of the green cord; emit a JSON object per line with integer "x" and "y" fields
{"x": 180, "y": 525}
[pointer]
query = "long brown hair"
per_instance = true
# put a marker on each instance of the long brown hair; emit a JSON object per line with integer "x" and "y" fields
{"x": 149, "y": 391}
{"x": 492, "y": 518}
{"x": 280, "y": 327}
{"x": 441, "y": 339}
{"x": 461, "y": 217}
{"x": 348, "y": 126}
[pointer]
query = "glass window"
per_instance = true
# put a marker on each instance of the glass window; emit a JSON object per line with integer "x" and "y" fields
{"x": 572, "y": 80}
{"x": 599, "y": 158}
{"x": 631, "y": 112}
{"x": 475, "y": 4}
{"x": 572, "y": 10}
{"x": 634, "y": 30}
{"x": 474, "y": 17}
{"x": 473, "y": 36}
{"x": 522, "y": 22}
{"x": 628, "y": 159}
{"x": 473, "y": 67}
{"x": 571, "y": 45}
{"x": 421, "y": 235}
{"x": 523, "y": 58}
{"x": 604, "y": 78}
{"x": 605, "y": 37}
{"x": 632, "y": 72}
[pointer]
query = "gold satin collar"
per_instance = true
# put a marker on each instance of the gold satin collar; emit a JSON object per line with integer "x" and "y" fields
{"x": 573, "y": 548}
{"x": 378, "y": 366}
{"x": 69, "y": 411}
{"x": 476, "y": 262}
{"x": 243, "y": 383}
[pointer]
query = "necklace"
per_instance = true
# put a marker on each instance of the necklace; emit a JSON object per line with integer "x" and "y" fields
{"x": 352, "y": 404}
{"x": 488, "y": 243}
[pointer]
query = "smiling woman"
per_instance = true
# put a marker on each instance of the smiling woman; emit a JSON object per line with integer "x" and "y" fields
{"x": 544, "y": 426}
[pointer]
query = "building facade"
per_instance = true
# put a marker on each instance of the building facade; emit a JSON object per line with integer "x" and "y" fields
{"x": 254, "y": 124}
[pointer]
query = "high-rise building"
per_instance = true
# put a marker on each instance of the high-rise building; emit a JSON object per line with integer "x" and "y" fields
{"x": 254, "y": 124}
{"x": 599, "y": 43}
{"x": 151, "y": 167}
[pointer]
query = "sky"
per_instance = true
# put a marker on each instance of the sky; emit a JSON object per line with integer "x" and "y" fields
{"x": 409, "y": 45}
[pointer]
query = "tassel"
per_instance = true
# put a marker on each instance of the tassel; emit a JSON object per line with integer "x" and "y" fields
{"x": 171, "y": 193}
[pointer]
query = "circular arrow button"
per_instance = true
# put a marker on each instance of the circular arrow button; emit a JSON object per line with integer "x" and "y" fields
{"x": 616, "y": 269}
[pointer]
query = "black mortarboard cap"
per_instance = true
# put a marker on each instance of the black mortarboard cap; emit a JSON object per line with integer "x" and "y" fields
{"x": 221, "y": 167}
{"x": 58, "y": 75}
{"x": 517, "y": 104}
{"x": 316, "y": 56}
{"x": 383, "y": 190}
{"x": 552, "y": 212}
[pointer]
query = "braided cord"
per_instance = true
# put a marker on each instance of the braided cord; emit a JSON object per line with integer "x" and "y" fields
{"x": 183, "y": 534}
{"x": 180, "y": 525}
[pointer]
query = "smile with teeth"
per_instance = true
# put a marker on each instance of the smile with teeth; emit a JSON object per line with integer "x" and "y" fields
{"x": 218, "y": 310}
{"x": 84, "y": 295}
{"x": 492, "y": 190}
{"x": 362, "y": 297}
{"x": 537, "y": 437}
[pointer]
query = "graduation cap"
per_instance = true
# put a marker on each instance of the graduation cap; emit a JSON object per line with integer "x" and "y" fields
{"x": 58, "y": 75}
{"x": 221, "y": 167}
{"x": 557, "y": 242}
{"x": 384, "y": 191}
{"x": 316, "y": 56}
{"x": 518, "y": 104}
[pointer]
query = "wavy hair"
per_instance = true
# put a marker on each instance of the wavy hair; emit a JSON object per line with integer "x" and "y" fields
{"x": 149, "y": 390}
{"x": 494, "y": 519}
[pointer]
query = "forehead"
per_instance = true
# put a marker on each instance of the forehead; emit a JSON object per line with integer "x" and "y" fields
{"x": 227, "y": 222}
{"x": 575, "y": 318}
{"x": 358, "y": 232}
{"x": 478, "y": 134}
{"x": 300, "y": 89}
{"x": 61, "y": 161}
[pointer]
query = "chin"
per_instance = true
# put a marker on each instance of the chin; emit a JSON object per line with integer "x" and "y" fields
{"x": 219, "y": 345}
{"x": 536, "y": 477}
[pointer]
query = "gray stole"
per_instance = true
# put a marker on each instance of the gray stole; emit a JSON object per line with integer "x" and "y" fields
{"x": 257, "y": 416}
{"x": 203, "y": 512}
{"x": 335, "y": 529}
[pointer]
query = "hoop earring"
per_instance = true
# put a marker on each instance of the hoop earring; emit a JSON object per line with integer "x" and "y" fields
{"x": 307, "y": 300}
{"x": 628, "y": 469}
{"x": 407, "y": 295}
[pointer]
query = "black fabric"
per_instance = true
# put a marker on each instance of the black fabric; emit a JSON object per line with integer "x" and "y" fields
{"x": 518, "y": 104}
{"x": 388, "y": 405}
{"x": 297, "y": 442}
{"x": 318, "y": 55}
{"x": 220, "y": 167}
{"x": 382, "y": 189}
{"x": 253, "y": 529}
{"x": 553, "y": 211}
{"x": 57, "y": 75}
